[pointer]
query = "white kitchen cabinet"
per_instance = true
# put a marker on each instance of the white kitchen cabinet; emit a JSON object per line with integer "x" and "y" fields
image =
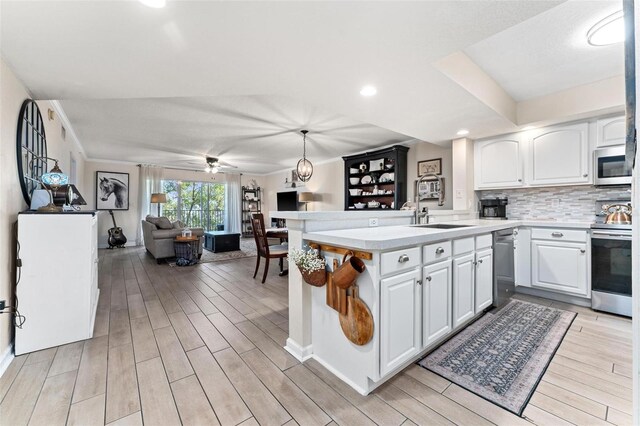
{"x": 463, "y": 288}
{"x": 436, "y": 301}
{"x": 611, "y": 131}
{"x": 58, "y": 289}
{"x": 498, "y": 163}
{"x": 484, "y": 279}
{"x": 522, "y": 257}
{"x": 560, "y": 266}
{"x": 400, "y": 319}
{"x": 559, "y": 155}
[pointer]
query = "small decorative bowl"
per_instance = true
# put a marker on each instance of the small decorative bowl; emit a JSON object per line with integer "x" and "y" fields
{"x": 355, "y": 191}
{"x": 354, "y": 181}
{"x": 354, "y": 171}
{"x": 359, "y": 205}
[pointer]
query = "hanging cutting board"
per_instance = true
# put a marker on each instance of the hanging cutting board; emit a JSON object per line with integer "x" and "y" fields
{"x": 357, "y": 324}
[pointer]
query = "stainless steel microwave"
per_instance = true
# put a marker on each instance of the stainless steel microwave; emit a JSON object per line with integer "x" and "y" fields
{"x": 610, "y": 167}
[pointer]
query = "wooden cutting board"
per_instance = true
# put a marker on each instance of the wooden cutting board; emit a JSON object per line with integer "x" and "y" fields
{"x": 357, "y": 325}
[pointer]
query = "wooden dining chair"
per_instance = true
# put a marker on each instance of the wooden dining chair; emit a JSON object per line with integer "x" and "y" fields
{"x": 279, "y": 251}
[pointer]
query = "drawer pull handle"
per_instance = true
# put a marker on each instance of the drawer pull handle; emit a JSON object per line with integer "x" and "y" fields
{"x": 439, "y": 250}
{"x": 403, "y": 259}
{"x": 428, "y": 278}
{"x": 557, "y": 234}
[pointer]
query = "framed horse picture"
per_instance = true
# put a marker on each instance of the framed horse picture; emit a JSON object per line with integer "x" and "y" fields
{"x": 112, "y": 191}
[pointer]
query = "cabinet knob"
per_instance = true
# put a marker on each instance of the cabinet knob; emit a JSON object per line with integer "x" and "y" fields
{"x": 557, "y": 234}
{"x": 585, "y": 175}
{"x": 403, "y": 259}
{"x": 419, "y": 282}
{"x": 480, "y": 261}
{"x": 439, "y": 250}
{"x": 519, "y": 180}
{"x": 428, "y": 278}
{"x": 515, "y": 232}
{"x": 583, "y": 251}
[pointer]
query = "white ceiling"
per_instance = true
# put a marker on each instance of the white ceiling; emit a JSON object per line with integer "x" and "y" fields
{"x": 257, "y": 134}
{"x": 561, "y": 57}
{"x": 247, "y": 75}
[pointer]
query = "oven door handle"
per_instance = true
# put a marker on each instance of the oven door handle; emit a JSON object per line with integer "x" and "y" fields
{"x": 610, "y": 236}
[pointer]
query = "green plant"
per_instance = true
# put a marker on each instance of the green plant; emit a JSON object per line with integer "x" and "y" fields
{"x": 306, "y": 260}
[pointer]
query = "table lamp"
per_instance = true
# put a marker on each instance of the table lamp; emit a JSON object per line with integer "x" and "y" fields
{"x": 306, "y": 197}
{"x": 159, "y": 198}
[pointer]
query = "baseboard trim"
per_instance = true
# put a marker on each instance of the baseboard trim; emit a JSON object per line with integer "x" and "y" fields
{"x": 339, "y": 375}
{"x": 558, "y": 297}
{"x": 301, "y": 353}
{"x": 6, "y": 359}
{"x": 129, "y": 244}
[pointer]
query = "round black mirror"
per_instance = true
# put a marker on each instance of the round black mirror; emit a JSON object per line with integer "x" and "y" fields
{"x": 31, "y": 148}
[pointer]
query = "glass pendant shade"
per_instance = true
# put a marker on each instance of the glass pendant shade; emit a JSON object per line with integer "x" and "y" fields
{"x": 55, "y": 177}
{"x": 304, "y": 169}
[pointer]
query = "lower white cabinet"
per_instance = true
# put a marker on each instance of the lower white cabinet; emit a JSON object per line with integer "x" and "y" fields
{"x": 463, "y": 288}
{"x": 400, "y": 319}
{"x": 484, "y": 279}
{"x": 436, "y": 301}
{"x": 58, "y": 289}
{"x": 560, "y": 266}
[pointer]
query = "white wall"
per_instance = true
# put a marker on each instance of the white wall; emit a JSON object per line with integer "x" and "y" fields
{"x": 326, "y": 184}
{"x": 428, "y": 151}
{"x": 12, "y": 95}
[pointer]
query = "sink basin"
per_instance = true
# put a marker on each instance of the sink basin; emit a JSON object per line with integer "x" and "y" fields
{"x": 441, "y": 226}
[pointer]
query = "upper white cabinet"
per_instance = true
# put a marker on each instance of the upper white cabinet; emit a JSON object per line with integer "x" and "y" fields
{"x": 559, "y": 155}
{"x": 499, "y": 163}
{"x": 610, "y": 131}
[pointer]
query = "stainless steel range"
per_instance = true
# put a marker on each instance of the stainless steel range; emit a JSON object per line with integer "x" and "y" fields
{"x": 611, "y": 259}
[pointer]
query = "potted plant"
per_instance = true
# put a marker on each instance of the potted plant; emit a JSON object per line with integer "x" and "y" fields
{"x": 310, "y": 264}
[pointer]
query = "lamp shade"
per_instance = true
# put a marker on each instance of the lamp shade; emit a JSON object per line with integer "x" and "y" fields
{"x": 306, "y": 197}
{"x": 159, "y": 198}
{"x": 55, "y": 178}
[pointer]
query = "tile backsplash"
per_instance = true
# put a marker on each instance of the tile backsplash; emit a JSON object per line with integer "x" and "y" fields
{"x": 559, "y": 202}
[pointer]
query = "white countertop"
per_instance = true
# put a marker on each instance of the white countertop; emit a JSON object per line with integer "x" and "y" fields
{"x": 390, "y": 237}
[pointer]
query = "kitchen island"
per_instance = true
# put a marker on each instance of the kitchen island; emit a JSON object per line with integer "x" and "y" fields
{"x": 421, "y": 284}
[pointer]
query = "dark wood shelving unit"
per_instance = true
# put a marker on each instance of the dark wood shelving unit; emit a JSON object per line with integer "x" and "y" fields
{"x": 251, "y": 203}
{"x": 389, "y": 160}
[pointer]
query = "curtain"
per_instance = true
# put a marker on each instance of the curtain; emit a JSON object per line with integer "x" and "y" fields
{"x": 233, "y": 195}
{"x": 150, "y": 181}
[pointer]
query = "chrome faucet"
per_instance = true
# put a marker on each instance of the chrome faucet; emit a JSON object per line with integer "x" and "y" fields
{"x": 418, "y": 214}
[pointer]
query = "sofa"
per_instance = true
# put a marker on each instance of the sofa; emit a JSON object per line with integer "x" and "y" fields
{"x": 158, "y": 234}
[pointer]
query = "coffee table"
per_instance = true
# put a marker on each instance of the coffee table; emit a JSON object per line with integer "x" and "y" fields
{"x": 221, "y": 241}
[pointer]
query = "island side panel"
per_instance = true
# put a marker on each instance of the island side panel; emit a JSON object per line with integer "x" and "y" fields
{"x": 356, "y": 365}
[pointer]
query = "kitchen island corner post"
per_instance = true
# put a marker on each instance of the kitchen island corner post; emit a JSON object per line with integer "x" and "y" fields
{"x": 299, "y": 342}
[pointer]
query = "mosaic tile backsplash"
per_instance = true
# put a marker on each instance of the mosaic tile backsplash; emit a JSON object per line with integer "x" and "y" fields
{"x": 558, "y": 203}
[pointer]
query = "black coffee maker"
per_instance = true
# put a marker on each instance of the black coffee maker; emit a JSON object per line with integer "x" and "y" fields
{"x": 493, "y": 208}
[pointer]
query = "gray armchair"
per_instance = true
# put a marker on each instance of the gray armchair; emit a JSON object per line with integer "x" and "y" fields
{"x": 159, "y": 242}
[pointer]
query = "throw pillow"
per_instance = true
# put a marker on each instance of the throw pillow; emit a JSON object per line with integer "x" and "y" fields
{"x": 164, "y": 223}
{"x": 152, "y": 219}
{"x": 178, "y": 225}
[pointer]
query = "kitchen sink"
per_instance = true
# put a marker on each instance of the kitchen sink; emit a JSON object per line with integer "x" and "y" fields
{"x": 441, "y": 226}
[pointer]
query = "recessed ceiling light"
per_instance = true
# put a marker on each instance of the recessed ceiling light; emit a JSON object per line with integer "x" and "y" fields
{"x": 609, "y": 30}
{"x": 368, "y": 91}
{"x": 462, "y": 132}
{"x": 156, "y": 4}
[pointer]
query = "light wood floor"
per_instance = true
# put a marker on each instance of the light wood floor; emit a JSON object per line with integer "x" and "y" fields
{"x": 203, "y": 345}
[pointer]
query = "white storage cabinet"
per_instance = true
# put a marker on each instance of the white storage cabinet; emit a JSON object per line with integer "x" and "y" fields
{"x": 58, "y": 289}
{"x": 400, "y": 308}
{"x": 560, "y": 260}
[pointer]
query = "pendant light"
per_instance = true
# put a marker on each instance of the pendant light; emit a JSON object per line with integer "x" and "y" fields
{"x": 305, "y": 168}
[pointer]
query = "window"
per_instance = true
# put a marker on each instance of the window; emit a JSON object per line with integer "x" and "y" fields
{"x": 197, "y": 204}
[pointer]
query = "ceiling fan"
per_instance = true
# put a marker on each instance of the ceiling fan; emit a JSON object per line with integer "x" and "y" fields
{"x": 214, "y": 165}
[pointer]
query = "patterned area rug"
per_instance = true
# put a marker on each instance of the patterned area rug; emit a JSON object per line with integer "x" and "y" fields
{"x": 247, "y": 249}
{"x": 502, "y": 356}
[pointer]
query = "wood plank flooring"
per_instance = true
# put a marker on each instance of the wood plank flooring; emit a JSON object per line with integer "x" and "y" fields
{"x": 203, "y": 346}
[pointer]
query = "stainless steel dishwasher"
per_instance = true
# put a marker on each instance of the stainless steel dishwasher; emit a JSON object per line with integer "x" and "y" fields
{"x": 503, "y": 267}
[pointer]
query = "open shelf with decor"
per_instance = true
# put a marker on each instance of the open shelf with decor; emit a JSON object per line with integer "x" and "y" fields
{"x": 376, "y": 180}
{"x": 251, "y": 203}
